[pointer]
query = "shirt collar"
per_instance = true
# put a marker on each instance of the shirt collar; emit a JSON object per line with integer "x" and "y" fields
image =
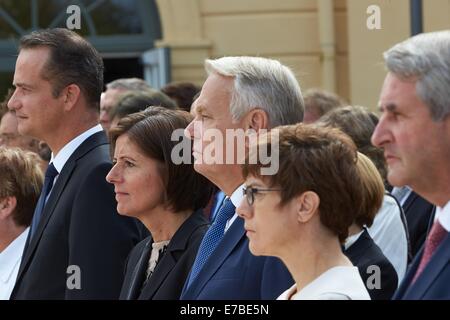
{"x": 237, "y": 195}
{"x": 401, "y": 193}
{"x": 11, "y": 256}
{"x": 64, "y": 154}
{"x": 443, "y": 214}
{"x": 236, "y": 198}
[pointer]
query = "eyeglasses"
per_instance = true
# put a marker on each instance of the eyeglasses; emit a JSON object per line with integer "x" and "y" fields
{"x": 250, "y": 192}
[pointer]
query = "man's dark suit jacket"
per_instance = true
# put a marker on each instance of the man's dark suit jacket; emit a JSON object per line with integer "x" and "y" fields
{"x": 365, "y": 253}
{"x": 433, "y": 283}
{"x": 167, "y": 279}
{"x": 233, "y": 273}
{"x": 79, "y": 234}
{"x": 418, "y": 212}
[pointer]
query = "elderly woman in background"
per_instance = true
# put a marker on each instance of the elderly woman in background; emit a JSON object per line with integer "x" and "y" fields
{"x": 165, "y": 197}
{"x": 375, "y": 269}
{"x": 21, "y": 180}
{"x": 302, "y": 213}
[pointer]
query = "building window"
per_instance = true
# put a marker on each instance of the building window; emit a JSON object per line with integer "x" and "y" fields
{"x": 117, "y": 28}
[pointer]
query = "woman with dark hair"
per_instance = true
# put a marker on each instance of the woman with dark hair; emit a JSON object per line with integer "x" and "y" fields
{"x": 152, "y": 188}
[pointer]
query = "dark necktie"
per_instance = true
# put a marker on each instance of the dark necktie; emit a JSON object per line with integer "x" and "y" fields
{"x": 50, "y": 175}
{"x": 212, "y": 238}
{"x": 434, "y": 239}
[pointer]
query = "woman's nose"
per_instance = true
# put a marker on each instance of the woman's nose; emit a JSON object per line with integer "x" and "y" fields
{"x": 244, "y": 210}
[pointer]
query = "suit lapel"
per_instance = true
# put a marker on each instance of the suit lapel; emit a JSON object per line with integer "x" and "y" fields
{"x": 409, "y": 201}
{"x": 135, "y": 284}
{"x": 178, "y": 243}
{"x": 163, "y": 268}
{"x": 61, "y": 182}
{"x": 230, "y": 240}
{"x": 57, "y": 189}
{"x": 438, "y": 261}
{"x": 405, "y": 285}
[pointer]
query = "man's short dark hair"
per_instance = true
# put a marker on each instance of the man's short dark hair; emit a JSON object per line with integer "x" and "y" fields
{"x": 182, "y": 92}
{"x": 72, "y": 60}
{"x": 130, "y": 84}
{"x": 359, "y": 123}
{"x": 321, "y": 101}
{"x": 136, "y": 101}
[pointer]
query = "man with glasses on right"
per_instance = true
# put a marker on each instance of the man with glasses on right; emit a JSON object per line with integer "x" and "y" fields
{"x": 414, "y": 131}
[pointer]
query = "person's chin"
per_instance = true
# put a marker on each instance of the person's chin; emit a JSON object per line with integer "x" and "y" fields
{"x": 122, "y": 210}
{"x": 254, "y": 249}
{"x": 395, "y": 178}
{"x": 209, "y": 171}
{"x": 200, "y": 166}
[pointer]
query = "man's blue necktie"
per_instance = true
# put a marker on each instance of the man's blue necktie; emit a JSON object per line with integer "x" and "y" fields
{"x": 50, "y": 175}
{"x": 212, "y": 238}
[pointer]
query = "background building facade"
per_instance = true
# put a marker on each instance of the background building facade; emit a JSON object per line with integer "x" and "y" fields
{"x": 327, "y": 43}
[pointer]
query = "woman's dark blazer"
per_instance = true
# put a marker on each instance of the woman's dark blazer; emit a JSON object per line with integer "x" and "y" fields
{"x": 172, "y": 269}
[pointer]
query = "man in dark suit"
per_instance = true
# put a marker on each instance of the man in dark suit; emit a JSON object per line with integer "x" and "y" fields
{"x": 414, "y": 131}
{"x": 240, "y": 93}
{"x": 77, "y": 244}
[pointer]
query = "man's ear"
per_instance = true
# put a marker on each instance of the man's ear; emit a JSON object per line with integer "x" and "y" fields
{"x": 7, "y": 207}
{"x": 71, "y": 95}
{"x": 257, "y": 119}
{"x": 307, "y": 205}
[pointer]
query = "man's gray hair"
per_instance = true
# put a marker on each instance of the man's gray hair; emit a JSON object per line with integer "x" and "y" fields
{"x": 132, "y": 84}
{"x": 261, "y": 83}
{"x": 425, "y": 57}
